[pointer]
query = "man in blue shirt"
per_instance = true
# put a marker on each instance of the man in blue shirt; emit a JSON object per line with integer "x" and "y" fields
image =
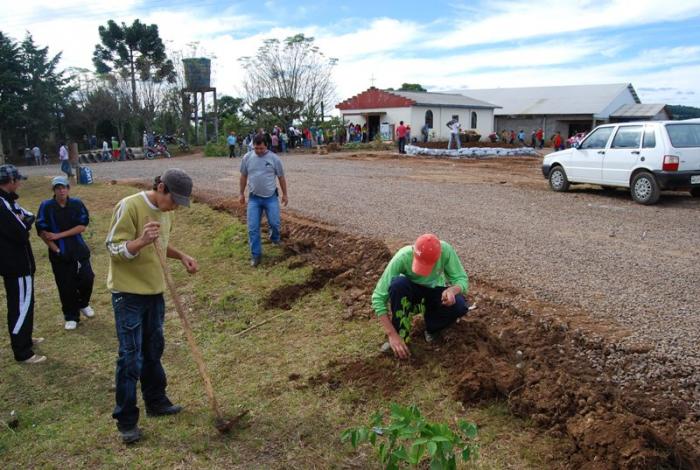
{"x": 60, "y": 222}
{"x": 231, "y": 140}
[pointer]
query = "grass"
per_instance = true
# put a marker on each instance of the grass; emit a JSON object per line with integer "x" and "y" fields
{"x": 65, "y": 404}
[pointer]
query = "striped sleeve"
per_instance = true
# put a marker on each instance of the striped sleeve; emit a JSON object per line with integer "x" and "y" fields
{"x": 122, "y": 230}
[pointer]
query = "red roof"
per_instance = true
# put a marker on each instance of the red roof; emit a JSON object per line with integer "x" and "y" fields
{"x": 375, "y": 98}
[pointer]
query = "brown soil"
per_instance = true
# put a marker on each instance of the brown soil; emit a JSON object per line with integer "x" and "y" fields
{"x": 509, "y": 348}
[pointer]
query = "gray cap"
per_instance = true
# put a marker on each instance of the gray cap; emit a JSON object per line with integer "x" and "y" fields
{"x": 10, "y": 172}
{"x": 60, "y": 181}
{"x": 179, "y": 184}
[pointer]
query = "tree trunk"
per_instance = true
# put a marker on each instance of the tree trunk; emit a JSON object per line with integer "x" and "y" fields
{"x": 2, "y": 150}
{"x": 133, "y": 81}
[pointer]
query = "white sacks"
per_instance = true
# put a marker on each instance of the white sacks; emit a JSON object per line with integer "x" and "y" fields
{"x": 471, "y": 152}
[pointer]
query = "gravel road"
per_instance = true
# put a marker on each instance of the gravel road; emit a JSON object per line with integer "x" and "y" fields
{"x": 633, "y": 266}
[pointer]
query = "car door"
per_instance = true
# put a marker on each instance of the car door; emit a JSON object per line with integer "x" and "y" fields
{"x": 586, "y": 161}
{"x": 622, "y": 155}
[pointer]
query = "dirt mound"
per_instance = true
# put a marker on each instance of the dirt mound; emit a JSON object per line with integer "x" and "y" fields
{"x": 546, "y": 368}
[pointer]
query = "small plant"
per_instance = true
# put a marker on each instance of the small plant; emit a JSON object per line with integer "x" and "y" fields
{"x": 405, "y": 316}
{"x": 410, "y": 439}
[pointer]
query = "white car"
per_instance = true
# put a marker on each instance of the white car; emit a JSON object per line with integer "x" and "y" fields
{"x": 645, "y": 157}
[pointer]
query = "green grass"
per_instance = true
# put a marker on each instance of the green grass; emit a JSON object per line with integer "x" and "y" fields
{"x": 65, "y": 403}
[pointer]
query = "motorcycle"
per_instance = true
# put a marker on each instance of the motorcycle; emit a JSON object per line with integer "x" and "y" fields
{"x": 158, "y": 150}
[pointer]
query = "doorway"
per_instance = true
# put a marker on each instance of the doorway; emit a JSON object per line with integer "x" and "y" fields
{"x": 372, "y": 126}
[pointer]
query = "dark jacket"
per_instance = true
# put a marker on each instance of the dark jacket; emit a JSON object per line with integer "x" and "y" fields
{"x": 54, "y": 218}
{"x": 16, "y": 257}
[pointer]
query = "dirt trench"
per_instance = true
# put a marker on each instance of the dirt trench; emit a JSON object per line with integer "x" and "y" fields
{"x": 538, "y": 363}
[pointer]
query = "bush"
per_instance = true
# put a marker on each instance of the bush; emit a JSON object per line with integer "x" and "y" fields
{"x": 216, "y": 149}
{"x": 411, "y": 439}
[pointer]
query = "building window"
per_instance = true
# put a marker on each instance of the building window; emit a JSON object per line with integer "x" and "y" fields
{"x": 429, "y": 119}
{"x": 473, "y": 120}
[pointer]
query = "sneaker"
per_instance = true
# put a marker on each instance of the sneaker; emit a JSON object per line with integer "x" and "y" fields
{"x": 36, "y": 341}
{"x": 88, "y": 312}
{"x": 276, "y": 243}
{"x": 430, "y": 337}
{"x": 385, "y": 348}
{"x": 71, "y": 325}
{"x": 255, "y": 262}
{"x": 131, "y": 436}
{"x": 163, "y": 410}
{"x": 35, "y": 359}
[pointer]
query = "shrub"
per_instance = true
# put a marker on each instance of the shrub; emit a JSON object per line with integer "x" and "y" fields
{"x": 216, "y": 149}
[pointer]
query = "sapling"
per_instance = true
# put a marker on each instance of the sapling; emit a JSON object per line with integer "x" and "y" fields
{"x": 405, "y": 316}
{"x": 409, "y": 439}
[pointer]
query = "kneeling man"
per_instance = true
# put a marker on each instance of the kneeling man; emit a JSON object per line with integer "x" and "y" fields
{"x": 415, "y": 281}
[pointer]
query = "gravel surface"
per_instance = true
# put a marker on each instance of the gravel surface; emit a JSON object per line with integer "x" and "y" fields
{"x": 627, "y": 264}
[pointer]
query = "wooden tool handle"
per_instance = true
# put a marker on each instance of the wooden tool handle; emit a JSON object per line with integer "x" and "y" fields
{"x": 196, "y": 353}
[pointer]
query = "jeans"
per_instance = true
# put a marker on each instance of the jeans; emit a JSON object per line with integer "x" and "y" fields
{"x": 402, "y": 144}
{"x": 139, "y": 323}
{"x": 256, "y": 206}
{"x": 437, "y": 316}
{"x": 231, "y": 151}
{"x": 74, "y": 280}
{"x": 454, "y": 138}
{"x": 65, "y": 167}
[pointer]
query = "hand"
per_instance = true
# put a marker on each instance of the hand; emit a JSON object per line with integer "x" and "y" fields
{"x": 399, "y": 346}
{"x": 285, "y": 201}
{"x": 190, "y": 264}
{"x": 151, "y": 232}
{"x": 448, "y": 297}
{"x": 241, "y": 199}
{"x": 50, "y": 236}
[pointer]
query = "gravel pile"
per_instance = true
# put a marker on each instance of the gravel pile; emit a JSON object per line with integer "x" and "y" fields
{"x": 630, "y": 265}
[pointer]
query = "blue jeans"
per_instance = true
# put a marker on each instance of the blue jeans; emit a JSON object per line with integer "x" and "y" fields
{"x": 454, "y": 138}
{"x": 65, "y": 167}
{"x": 437, "y": 316}
{"x": 139, "y": 322}
{"x": 256, "y": 206}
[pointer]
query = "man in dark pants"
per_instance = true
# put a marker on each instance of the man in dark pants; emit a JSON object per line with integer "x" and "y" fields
{"x": 136, "y": 281}
{"x": 60, "y": 223}
{"x": 415, "y": 282}
{"x": 17, "y": 266}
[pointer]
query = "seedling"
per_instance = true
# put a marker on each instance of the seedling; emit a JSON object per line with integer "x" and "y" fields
{"x": 405, "y": 316}
{"x": 410, "y": 439}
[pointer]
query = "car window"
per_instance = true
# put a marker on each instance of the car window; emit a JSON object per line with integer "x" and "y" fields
{"x": 684, "y": 135}
{"x": 597, "y": 139}
{"x": 627, "y": 137}
{"x": 649, "y": 141}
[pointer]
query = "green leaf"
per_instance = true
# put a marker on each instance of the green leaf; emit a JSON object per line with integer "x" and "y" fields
{"x": 469, "y": 429}
{"x": 416, "y": 453}
{"x": 432, "y": 448}
{"x": 466, "y": 453}
{"x": 353, "y": 439}
{"x": 345, "y": 435}
{"x": 400, "y": 453}
{"x": 440, "y": 439}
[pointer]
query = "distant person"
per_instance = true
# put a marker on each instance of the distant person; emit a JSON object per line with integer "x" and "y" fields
{"x": 115, "y": 148}
{"x": 231, "y": 141}
{"x": 60, "y": 222}
{"x": 540, "y": 137}
{"x": 521, "y": 137}
{"x": 105, "y": 151}
{"x": 36, "y": 152}
{"x": 533, "y": 138}
{"x": 401, "y": 132}
{"x": 64, "y": 158}
{"x": 275, "y": 142}
{"x": 511, "y": 140}
{"x": 427, "y": 275}
{"x": 28, "y": 157}
{"x": 558, "y": 142}
{"x": 17, "y": 266}
{"x": 425, "y": 132}
{"x": 123, "y": 151}
{"x": 260, "y": 171}
{"x": 455, "y": 130}
{"x": 284, "y": 139}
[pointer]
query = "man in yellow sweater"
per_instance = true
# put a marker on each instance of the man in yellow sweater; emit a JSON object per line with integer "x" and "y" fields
{"x": 136, "y": 281}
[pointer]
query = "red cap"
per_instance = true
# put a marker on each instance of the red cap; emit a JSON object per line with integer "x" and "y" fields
{"x": 426, "y": 252}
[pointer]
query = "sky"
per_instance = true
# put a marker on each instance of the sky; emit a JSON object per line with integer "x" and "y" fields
{"x": 444, "y": 46}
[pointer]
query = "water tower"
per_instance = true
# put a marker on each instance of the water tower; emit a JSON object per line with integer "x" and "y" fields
{"x": 198, "y": 84}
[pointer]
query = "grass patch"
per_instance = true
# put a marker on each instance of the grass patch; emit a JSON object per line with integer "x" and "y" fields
{"x": 65, "y": 404}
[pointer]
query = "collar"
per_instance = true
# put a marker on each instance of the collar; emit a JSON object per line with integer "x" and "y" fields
{"x": 8, "y": 196}
{"x": 148, "y": 201}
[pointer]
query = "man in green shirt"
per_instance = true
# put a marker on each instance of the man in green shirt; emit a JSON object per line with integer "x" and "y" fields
{"x": 136, "y": 281}
{"x": 413, "y": 282}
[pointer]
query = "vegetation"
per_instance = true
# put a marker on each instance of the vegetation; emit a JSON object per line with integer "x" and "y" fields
{"x": 410, "y": 438}
{"x": 683, "y": 112}
{"x": 410, "y": 87}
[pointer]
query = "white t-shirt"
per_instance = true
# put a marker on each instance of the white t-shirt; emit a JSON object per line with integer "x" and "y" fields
{"x": 63, "y": 153}
{"x": 456, "y": 126}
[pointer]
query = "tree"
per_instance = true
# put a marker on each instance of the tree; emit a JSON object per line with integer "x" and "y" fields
{"x": 293, "y": 73}
{"x": 13, "y": 84}
{"x": 131, "y": 49}
{"x": 411, "y": 87}
{"x": 228, "y": 106}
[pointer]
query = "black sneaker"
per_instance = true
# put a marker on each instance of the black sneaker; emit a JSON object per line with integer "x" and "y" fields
{"x": 255, "y": 262}
{"x": 163, "y": 410}
{"x": 131, "y": 436}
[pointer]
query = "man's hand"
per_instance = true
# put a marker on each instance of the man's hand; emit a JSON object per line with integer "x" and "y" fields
{"x": 448, "y": 297}
{"x": 241, "y": 199}
{"x": 50, "y": 236}
{"x": 151, "y": 232}
{"x": 285, "y": 201}
{"x": 399, "y": 346}
{"x": 190, "y": 264}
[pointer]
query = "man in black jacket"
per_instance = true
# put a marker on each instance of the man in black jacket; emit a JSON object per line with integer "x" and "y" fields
{"x": 17, "y": 266}
{"x": 60, "y": 222}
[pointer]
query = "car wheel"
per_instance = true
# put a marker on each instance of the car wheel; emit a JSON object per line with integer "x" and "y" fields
{"x": 558, "y": 180}
{"x": 695, "y": 192}
{"x": 645, "y": 190}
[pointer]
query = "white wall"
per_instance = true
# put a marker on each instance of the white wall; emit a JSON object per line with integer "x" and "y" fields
{"x": 623, "y": 98}
{"x": 415, "y": 117}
